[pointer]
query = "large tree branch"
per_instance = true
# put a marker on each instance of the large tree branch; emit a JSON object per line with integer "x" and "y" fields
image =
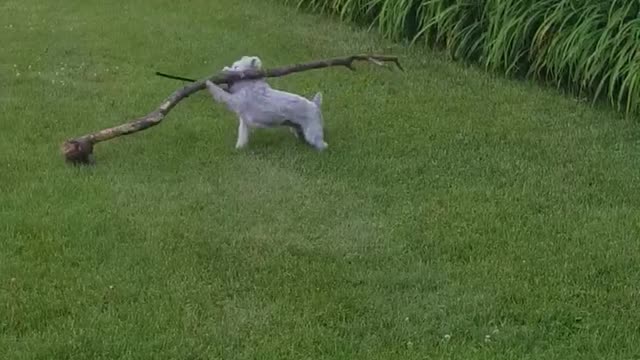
{"x": 80, "y": 150}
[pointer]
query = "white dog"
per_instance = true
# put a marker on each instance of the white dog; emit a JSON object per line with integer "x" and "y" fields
{"x": 259, "y": 106}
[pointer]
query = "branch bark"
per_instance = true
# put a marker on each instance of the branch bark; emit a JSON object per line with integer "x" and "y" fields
{"x": 79, "y": 150}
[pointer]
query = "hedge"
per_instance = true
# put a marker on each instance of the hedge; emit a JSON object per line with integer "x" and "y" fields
{"x": 590, "y": 47}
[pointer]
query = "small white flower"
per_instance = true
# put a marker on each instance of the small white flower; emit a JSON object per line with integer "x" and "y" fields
{"x": 487, "y": 338}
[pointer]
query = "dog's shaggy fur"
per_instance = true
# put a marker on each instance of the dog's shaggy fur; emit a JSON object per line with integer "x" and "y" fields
{"x": 260, "y": 106}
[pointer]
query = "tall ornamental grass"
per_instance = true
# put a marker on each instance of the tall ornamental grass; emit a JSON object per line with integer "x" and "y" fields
{"x": 591, "y": 47}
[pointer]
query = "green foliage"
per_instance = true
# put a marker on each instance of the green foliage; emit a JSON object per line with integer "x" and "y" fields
{"x": 590, "y": 47}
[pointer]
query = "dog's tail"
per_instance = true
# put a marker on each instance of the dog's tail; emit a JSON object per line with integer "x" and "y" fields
{"x": 317, "y": 99}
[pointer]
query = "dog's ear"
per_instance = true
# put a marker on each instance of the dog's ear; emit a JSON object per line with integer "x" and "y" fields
{"x": 255, "y": 62}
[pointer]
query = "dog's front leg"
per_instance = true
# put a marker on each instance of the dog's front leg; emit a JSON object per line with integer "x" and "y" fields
{"x": 243, "y": 134}
{"x": 219, "y": 94}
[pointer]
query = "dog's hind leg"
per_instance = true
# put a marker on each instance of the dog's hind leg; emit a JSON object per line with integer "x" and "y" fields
{"x": 295, "y": 129}
{"x": 313, "y": 134}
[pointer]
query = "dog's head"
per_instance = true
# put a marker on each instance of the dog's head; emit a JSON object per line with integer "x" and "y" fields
{"x": 247, "y": 63}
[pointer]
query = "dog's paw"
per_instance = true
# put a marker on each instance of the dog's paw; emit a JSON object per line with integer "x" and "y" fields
{"x": 323, "y": 146}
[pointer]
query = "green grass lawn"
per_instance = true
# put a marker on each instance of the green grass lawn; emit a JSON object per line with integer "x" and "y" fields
{"x": 455, "y": 215}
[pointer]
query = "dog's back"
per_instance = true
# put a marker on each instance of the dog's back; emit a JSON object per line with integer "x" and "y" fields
{"x": 263, "y": 105}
